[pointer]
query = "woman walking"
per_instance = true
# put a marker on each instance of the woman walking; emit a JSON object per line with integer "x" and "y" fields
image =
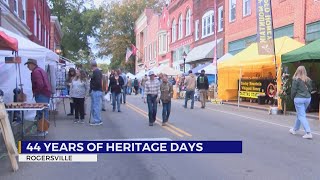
{"x": 79, "y": 90}
{"x": 71, "y": 76}
{"x": 301, "y": 94}
{"x": 116, "y": 83}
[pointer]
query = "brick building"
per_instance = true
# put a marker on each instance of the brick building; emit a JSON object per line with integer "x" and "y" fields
{"x": 13, "y": 17}
{"x": 204, "y": 15}
{"x": 146, "y": 29}
{"x": 299, "y": 19}
{"x": 164, "y": 54}
{"x": 181, "y": 28}
{"x": 55, "y": 34}
{"x": 38, "y": 20}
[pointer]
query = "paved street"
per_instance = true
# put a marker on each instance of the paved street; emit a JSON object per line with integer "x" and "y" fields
{"x": 269, "y": 151}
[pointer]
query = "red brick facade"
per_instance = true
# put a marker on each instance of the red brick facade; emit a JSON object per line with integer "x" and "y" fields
{"x": 38, "y": 20}
{"x": 55, "y": 34}
{"x": 298, "y": 13}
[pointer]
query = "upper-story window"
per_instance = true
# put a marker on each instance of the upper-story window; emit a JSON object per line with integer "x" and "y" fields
{"x": 45, "y": 36}
{"x": 220, "y": 19}
{"x": 188, "y": 22}
{"x": 15, "y": 6}
{"x": 246, "y": 7}
{"x": 208, "y": 24}
{"x": 196, "y": 32}
{"x": 232, "y": 10}
{"x": 173, "y": 31}
{"x": 180, "y": 27}
{"x": 24, "y": 10}
{"x": 35, "y": 32}
{"x": 40, "y": 30}
{"x": 163, "y": 43}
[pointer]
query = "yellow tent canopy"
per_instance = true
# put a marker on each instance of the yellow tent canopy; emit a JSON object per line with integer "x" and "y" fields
{"x": 251, "y": 64}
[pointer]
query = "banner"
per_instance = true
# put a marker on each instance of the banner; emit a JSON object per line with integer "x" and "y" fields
{"x": 265, "y": 28}
{"x": 251, "y": 88}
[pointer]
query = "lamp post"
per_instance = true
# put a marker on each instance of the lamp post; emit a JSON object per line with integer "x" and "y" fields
{"x": 184, "y": 55}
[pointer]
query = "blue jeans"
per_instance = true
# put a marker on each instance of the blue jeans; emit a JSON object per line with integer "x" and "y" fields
{"x": 166, "y": 108}
{"x": 123, "y": 94}
{"x": 142, "y": 91}
{"x": 189, "y": 94}
{"x": 129, "y": 90}
{"x": 152, "y": 107}
{"x": 96, "y": 106}
{"x": 42, "y": 99}
{"x": 116, "y": 99}
{"x": 301, "y": 105}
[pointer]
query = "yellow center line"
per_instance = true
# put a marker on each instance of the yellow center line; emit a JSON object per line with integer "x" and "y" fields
{"x": 159, "y": 121}
{"x": 143, "y": 114}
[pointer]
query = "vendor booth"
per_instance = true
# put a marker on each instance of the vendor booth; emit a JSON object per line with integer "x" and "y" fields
{"x": 308, "y": 56}
{"x": 256, "y": 73}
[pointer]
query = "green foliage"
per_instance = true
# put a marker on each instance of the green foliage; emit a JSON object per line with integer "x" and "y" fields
{"x": 78, "y": 24}
{"x": 117, "y": 31}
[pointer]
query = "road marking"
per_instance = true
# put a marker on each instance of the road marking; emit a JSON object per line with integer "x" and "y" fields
{"x": 143, "y": 114}
{"x": 159, "y": 121}
{"x": 255, "y": 119}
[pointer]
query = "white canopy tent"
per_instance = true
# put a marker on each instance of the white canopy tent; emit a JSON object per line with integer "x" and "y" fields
{"x": 131, "y": 76}
{"x": 211, "y": 68}
{"x": 9, "y": 73}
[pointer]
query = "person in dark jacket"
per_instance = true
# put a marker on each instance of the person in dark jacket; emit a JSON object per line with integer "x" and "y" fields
{"x": 41, "y": 87}
{"x": 71, "y": 76}
{"x": 136, "y": 85}
{"x": 203, "y": 86}
{"x": 166, "y": 94}
{"x": 115, "y": 85}
{"x": 96, "y": 93}
{"x": 301, "y": 94}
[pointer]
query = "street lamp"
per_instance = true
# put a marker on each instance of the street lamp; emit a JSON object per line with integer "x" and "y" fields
{"x": 58, "y": 50}
{"x": 184, "y": 55}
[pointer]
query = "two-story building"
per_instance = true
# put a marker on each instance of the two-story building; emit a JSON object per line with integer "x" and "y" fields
{"x": 297, "y": 19}
{"x": 207, "y": 19}
{"x": 14, "y": 17}
{"x": 55, "y": 35}
{"x": 164, "y": 54}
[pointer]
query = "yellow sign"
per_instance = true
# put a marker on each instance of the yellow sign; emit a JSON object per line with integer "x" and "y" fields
{"x": 249, "y": 94}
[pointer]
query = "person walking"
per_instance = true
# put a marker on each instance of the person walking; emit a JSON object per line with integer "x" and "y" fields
{"x": 71, "y": 76}
{"x": 129, "y": 86}
{"x": 301, "y": 94}
{"x": 78, "y": 91}
{"x": 190, "y": 85}
{"x": 96, "y": 93}
{"x": 166, "y": 94}
{"x": 203, "y": 86}
{"x": 115, "y": 85}
{"x": 104, "y": 90}
{"x": 124, "y": 87}
{"x": 41, "y": 89}
{"x": 136, "y": 85}
{"x": 152, "y": 97}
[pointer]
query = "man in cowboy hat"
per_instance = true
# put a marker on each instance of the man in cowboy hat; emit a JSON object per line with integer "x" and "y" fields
{"x": 41, "y": 87}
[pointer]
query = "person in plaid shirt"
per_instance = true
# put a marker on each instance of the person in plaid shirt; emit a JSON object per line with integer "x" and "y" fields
{"x": 152, "y": 96}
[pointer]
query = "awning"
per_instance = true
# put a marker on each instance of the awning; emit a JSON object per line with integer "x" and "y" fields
{"x": 7, "y": 42}
{"x": 204, "y": 51}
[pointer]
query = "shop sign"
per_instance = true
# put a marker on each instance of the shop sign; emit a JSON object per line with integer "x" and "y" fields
{"x": 252, "y": 88}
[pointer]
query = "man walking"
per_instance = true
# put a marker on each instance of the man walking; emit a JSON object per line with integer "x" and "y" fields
{"x": 136, "y": 85}
{"x": 124, "y": 87}
{"x": 166, "y": 93}
{"x": 96, "y": 93}
{"x": 152, "y": 96}
{"x": 190, "y": 84}
{"x": 41, "y": 88}
{"x": 203, "y": 86}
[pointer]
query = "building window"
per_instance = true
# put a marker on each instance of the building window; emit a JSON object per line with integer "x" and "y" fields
{"x": 220, "y": 19}
{"x": 180, "y": 27}
{"x": 188, "y": 22}
{"x": 145, "y": 54}
{"x": 196, "y": 33}
{"x": 24, "y": 10}
{"x": 246, "y": 7}
{"x": 45, "y": 36}
{"x": 155, "y": 50}
{"x": 232, "y": 10}
{"x": 15, "y": 6}
{"x": 207, "y": 24}
{"x": 150, "y": 52}
{"x": 163, "y": 43}
{"x": 312, "y": 32}
{"x": 173, "y": 31}
{"x": 40, "y": 30}
{"x": 35, "y": 32}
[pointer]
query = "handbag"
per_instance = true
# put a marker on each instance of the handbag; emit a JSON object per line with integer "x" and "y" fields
{"x": 43, "y": 125}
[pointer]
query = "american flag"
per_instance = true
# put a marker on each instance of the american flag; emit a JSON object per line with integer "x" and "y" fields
{"x": 128, "y": 54}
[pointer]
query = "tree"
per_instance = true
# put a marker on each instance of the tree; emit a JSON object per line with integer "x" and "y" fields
{"x": 117, "y": 31}
{"x": 78, "y": 24}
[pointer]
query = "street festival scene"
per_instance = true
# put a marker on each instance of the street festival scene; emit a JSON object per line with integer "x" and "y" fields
{"x": 162, "y": 70}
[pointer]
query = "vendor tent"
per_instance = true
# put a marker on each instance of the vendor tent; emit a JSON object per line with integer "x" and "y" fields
{"x": 308, "y": 52}
{"x": 130, "y": 75}
{"x": 168, "y": 70}
{"x": 250, "y": 64}
{"x": 201, "y": 66}
{"x": 7, "y": 42}
{"x": 211, "y": 68}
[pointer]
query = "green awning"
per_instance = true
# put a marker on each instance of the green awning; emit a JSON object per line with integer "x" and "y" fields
{"x": 308, "y": 52}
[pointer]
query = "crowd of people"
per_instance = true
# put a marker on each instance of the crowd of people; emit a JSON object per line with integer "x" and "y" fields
{"x": 153, "y": 90}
